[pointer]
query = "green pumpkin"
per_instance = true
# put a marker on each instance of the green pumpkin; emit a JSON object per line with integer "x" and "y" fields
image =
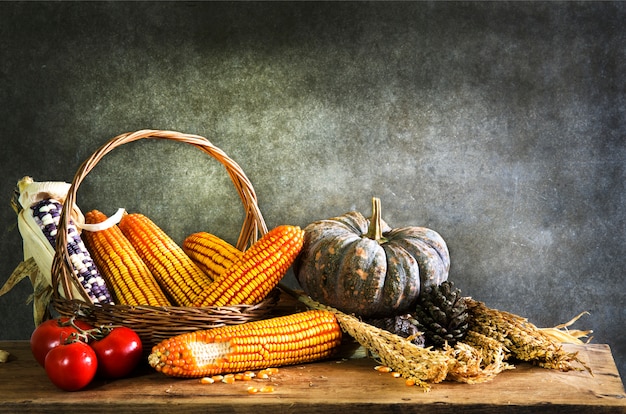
{"x": 366, "y": 268}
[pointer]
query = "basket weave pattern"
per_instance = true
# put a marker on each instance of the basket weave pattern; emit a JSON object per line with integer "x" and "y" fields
{"x": 154, "y": 324}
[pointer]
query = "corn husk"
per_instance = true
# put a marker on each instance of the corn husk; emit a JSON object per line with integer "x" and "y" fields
{"x": 561, "y": 333}
{"x": 34, "y": 242}
{"x": 42, "y": 291}
{"x": 37, "y": 250}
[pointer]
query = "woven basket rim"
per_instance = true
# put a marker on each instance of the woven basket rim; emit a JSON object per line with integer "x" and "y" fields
{"x": 252, "y": 229}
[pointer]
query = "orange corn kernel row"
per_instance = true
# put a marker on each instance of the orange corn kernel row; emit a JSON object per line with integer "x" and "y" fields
{"x": 250, "y": 279}
{"x": 286, "y": 340}
{"x": 117, "y": 259}
{"x": 177, "y": 274}
{"x": 212, "y": 254}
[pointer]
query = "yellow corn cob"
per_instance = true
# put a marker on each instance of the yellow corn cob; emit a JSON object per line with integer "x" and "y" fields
{"x": 250, "y": 279}
{"x": 211, "y": 254}
{"x": 177, "y": 274}
{"x": 286, "y": 340}
{"x": 117, "y": 259}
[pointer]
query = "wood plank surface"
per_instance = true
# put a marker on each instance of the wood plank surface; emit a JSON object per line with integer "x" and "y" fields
{"x": 333, "y": 386}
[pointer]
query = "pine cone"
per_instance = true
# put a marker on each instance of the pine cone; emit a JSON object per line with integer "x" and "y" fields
{"x": 442, "y": 315}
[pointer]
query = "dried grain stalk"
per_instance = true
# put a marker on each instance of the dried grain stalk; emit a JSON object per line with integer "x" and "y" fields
{"x": 523, "y": 340}
{"x": 478, "y": 362}
{"x": 421, "y": 365}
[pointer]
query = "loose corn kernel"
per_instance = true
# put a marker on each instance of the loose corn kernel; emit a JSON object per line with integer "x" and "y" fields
{"x": 207, "y": 380}
{"x": 252, "y": 390}
{"x": 229, "y": 379}
{"x": 268, "y": 372}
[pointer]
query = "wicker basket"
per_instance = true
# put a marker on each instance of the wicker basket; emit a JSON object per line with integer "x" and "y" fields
{"x": 154, "y": 324}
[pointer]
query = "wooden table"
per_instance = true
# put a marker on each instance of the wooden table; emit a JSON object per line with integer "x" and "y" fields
{"x": 334, "y": 386}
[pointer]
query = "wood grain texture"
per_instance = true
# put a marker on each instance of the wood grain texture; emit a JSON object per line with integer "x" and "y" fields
{"x": 340, "y": 385}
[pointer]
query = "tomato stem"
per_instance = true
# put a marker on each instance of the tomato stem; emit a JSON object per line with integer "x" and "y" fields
{"x": 86, "y": 335}
{"x": 68, "y": 322}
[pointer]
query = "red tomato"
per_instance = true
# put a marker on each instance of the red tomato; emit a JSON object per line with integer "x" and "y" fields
{"x": 118, "y": 353}
{"x": 71, "y": 366}
{"x": 50, "y": 334}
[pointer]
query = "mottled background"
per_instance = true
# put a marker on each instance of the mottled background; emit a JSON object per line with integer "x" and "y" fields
{"x": 500, "y": 125}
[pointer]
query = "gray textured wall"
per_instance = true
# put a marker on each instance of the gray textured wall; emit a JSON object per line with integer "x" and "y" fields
{"x": 500, "y": 125}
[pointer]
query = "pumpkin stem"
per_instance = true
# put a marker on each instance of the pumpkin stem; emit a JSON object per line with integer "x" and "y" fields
{"x": 375, "y": 231}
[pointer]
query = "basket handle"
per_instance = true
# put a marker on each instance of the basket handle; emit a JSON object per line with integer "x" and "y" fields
{"x": 253, "y": 227}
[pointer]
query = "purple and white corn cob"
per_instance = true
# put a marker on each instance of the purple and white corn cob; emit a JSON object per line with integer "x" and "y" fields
{"x": 47, "y": 213}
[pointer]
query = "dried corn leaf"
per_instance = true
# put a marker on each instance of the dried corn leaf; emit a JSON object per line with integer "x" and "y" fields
{"x": 561, "y": 333}
{"x": 42, "y": 291}
{"x": 27, "y": 268}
